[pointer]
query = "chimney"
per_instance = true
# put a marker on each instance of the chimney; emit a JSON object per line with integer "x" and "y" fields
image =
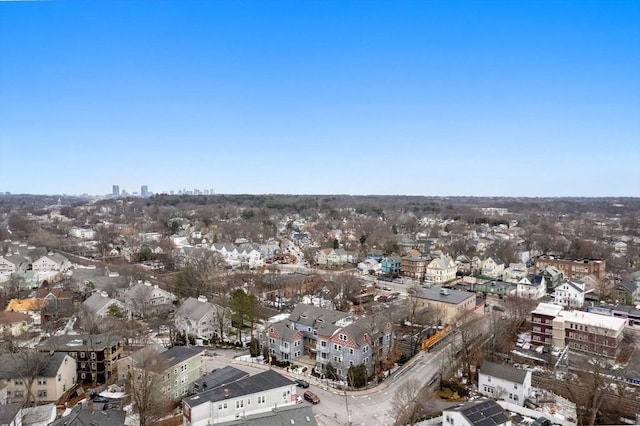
{"x": 226, "y": 393}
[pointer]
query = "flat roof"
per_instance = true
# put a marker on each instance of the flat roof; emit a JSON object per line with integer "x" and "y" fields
{"x": 548, "y": 309}
{"x": 451, "y": 296}
{"x": 593, "y": 320}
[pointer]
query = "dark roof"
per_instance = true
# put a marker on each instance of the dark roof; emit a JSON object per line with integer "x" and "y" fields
{"x": 76, "y": 342}
{"x": 260, "y": 382}
{"x": 20, "y": 365}
{"x": 482, "y": 413}
{"x": 81, "y": 416}
{"x": 177, "y": 354}
{"x": 220, "y": 377}
{"x": 505, "y": 372}
{"x": 452, "y": 296}
{"x": 299, "y": 414}
{"x": 8, "y": 412}
{"x": 629, "y": 286}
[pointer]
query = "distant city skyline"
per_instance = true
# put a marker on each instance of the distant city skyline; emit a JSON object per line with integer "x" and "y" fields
{"x": 456, "y": 98}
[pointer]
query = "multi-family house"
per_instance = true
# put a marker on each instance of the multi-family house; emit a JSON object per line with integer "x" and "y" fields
{"x": 369, "y": 267}
{"x": 573, "y": 268}
{"x": 390, "y": 266}
{"x": 627, "y": 292}
{"x": 95, "y": 354}
{"x": 283, "y": 341}
{"x": 534, "y": 287}
{"x": 413, "y": 267}
{"x": 10, "y": 264}
{"x": 492, "y": 267}
{"x": 265, "y": 393}
{"x": 14, "y": 323}
{"x": 200, "y": 318}
{"x": 552, "y": 276}
{"x": 476, "y": 413}
{"x": 144, "y": 298}
{"x": 463, "y": 263}
{"x": 51, "y": 375}
{"x": 589, "y": 333}
{"x": 504, "y": 382}
{"x": 441, "y": 270}
{"x": 514, "y": 273}
{"x": 100, "y": 305}
{"x": 542, "y": 323}
{"x": 52, "y": 262}
{"x": 177, "y": 369}
{"x": 218, "y": 377}
{"x": 332, "y": 257}
{"x": 570, "y": 294}
{"x": 57, "y": 299}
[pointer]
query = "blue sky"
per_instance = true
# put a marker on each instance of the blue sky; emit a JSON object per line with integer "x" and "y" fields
{"x": 501, "y": 98}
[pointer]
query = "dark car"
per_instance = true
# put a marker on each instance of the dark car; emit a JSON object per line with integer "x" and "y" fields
{"x": 100, "y": 399}
{"x": 311, "y": 397}
{"x": 541, "y": 421}
{"x": 302, "y": 383}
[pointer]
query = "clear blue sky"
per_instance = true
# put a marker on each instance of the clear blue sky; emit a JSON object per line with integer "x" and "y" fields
{"x": 511, "y": 98}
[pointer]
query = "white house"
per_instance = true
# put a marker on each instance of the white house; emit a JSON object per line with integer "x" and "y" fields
{"x": 13, "y": 263}
{"x": 514, "y": 273}
{"x": 534, "y": 288}
{"x": 99, "y": 305}
{"x": 441, "y": 270}
{"x": 476, "y": 413}
{"x": 52, "y": 262}
{"x": 200, "y": 318}
{"x": 145, "y": 297}
{"x": 369, "y": 265}
{"x": 570, "y": 294}
{"x": 504, "y": 382}
{"x": 227, "y": 402}
{"x": 492, "y": 267}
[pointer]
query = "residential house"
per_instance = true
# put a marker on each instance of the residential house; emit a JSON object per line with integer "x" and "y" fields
{"x": 463, "y": 263}
{"x": 82, "y": 415}
{"x": 476, "y": 413}
{"x": 125, "y": 364}
{"x": 552, "y": 276}
{"x": 95, "y": 354}
{"x": 447, "y": 304}
{"x": 570, "y": 294}
{"x": 413, "y": 267}
{"x": 178, "y": 368}
{"x": 52, "y": 262}
{"x": 218, "y": 377}
{"x": 332, "y": 257}
{"x": 441, "y": 270}
{"x": 14, "y": 323}
{"x": 284, "y": 342}
{"x": 573, "y": 268}
{"x": 542, "y": 323}
{"x": 200, "y": 318}
{"x": 52, "y": 375}
{"x": 369, "y": 267}
{"x": 145, "y": 298}
{"x": 57, "y": 302}
{"x": 492, "y": 267}
{"x": 504, "y": 382}
{"x": 515, "y": 272}
{"x": 627, "y": 292}
{"x": 249, "y": 396}
{"x": 390, "y": 266}
{"x": 100, "y": 305}
{"x": 534, "y": 287}
{"x": 10, "y": 264}
{"x": 589, "y": 333}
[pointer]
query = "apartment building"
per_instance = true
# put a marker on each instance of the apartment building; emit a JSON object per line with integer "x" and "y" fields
{"x": 413, "y": 266}
{"x": 573, "y": 268}
{"x": 589, "y": 333}
{"x": 542, "y": 323}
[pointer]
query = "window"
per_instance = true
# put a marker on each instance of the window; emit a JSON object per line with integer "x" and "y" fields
{"x": 261, "y": 399}
{"x": 42, "y": 381}
{"x": 240, "y": 403}
{"x": 343, "y": 337}
{"x": 83, "y": 355}
{"x": 365, "y": 349}
{"x": 42, "y": 393}
{"x": 350, "y": 351}
{"x": 18, "y": 382}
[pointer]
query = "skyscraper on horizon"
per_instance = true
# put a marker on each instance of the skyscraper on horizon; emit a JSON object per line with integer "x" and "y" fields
{"x": 144, "y": 191}
{"x": 115, "y": 191}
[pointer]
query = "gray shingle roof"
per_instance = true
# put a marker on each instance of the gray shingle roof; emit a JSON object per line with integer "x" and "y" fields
{"x": 193, "y": 309}
{"x": 77, "y": 342}
{"x": 8, "y": 413}
{"x": 81, "y": 416}
{"x": 505, "y": 372}
{"x": 259, "y": 383}
{"x": 312, "y": 315}
{"x": 291, "y": 415}
{"x": 96, "y": 302}
{"x": 20, "y": 365}
{"x": 219, "y": 378}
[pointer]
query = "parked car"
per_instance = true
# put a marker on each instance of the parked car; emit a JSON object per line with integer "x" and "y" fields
{"x": 311, "y": 397}
{"x": 302, "y": 383}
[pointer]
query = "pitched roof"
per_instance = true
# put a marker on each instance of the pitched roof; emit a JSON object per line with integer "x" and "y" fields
{"x": 81, "y": 416}
{"x": 505, "y": 372}
{"x": 220, "y": 377}
{"x": 261, "y": 382}
{"x": 75, "y": 342}
{"x": 8, "y": 413}
{"x": 286, "y": 330}
{"x": 8, "y": 317}
{"x": 96, "y": 302}
{"x": 312, "y": 315}
{"x": 193, "y": 309}
{"x": 24, "y": 305}
{"x": 19, "y": 365}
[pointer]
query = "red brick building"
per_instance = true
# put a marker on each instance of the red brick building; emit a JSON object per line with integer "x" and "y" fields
{"x": 573, "y": 268}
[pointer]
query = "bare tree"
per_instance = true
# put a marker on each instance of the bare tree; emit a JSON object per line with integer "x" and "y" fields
{"x": 408, "y": 403}
{"x": 149, "y": 389}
